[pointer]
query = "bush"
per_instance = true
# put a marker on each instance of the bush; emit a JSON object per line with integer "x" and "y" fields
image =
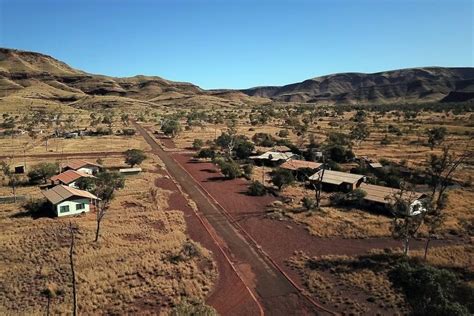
{"x": 243, "y": 149}
{"x": 263, "y": 139}
{"x": 198, "y": 143}
{"x": 230, "y": 169}
{"x": 281, "y": 177}
{"x": 42, "y": 171}
{"x": 128, "y": 131}
{"x": 206, "y": 153}
{"x": 309, "y": 203}
{"x": 353, "y": 198}
{"x": 283, "y": 133}
{"x": 248, "y": 169}
{"x": 432, "y": 291}
{"x": 256, "y": 189}
{"x": 198, "y": 308}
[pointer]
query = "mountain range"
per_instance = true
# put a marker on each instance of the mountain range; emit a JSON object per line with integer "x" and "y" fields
{"x": 32, "y": 77}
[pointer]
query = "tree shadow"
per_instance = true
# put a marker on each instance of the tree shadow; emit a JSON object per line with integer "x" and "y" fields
{"x": 35, "y": 210}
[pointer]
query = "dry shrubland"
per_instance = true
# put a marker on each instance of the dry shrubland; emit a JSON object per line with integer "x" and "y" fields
{"x": 143, "y": 262}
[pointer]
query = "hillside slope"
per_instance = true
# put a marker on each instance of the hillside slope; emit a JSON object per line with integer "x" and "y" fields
{"x": 404, "y": 85}
{"x": 37, "y": 77}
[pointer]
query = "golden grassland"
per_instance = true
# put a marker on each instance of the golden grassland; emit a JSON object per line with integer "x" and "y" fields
{"x": 141, "y": 264}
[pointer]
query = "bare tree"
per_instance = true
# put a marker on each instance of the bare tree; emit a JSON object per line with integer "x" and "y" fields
{"x": 105, "y": 186}
{"x": 73, "y": 229}
{"x": 318, "y": 186}
{"x": 13, "y": 179}
{"x": 408, "y": 218}
{"x": 441, "y": 168}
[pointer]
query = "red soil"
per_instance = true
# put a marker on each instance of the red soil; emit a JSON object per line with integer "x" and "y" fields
{"x": 279, "y": 239}
{"x": 229, "y": 296}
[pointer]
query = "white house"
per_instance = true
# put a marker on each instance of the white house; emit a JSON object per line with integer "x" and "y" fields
{"x": 69, "y": 177}
{"x": 273, "y": 157}
{"x": 69, "y": 201}
{"x": 82, "y": 166}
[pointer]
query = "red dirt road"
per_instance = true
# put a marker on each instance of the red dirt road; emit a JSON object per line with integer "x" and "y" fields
{"x": 229, "y": 296}
{"x": 274, "y": 292}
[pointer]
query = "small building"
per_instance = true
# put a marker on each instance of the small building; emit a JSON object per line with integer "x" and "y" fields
{"x": 337, "y": 180}
{"x": 130, "y": 171}
{"x": 296, "y": 164}
{"x": 281, "y": 149}
{"x": 382, "y": 196}
{"x": 69, "y": 201}
{"x": 82, "y": 166}
{"x": 69, "y": 177}
{"x": 272, "y": 158}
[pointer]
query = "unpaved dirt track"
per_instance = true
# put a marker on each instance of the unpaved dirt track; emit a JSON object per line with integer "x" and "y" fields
{"x": 101, "y": 154}
{"x": 275, "y": 293}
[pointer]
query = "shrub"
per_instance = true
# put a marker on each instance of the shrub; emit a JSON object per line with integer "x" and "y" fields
{"x": 432, "y": 291}
{"x": 198, "y": 143}
{"x": 128, "y": 131}
{"x": 283, "y": 133}
{"x": 243, "y": 149}
{"x": 248, "y": 169}
{"x": 230, "y": 169}
{"x": 256, "y": 189}
{"x": 281, "y": 177}
{"x": 308, "y": 203}
{"x": 206, "y": 153}
{"x": 263, "y": 139}
{"x": 42, "y": 171}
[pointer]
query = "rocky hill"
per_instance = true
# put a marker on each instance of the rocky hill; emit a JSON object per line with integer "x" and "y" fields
{"x": 404, "y": 85}
{"x": 29, "y": 77}
{"x": 36, "y": 76}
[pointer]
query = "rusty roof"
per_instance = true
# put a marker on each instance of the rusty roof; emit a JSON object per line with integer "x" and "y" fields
{"x": 61, "y": 193}
{"x": 69, "y": 176}
{"x": 77, "y": 164}
{"x": 295, "y": 164}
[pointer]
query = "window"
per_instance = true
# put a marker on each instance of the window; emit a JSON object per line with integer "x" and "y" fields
{"x": 64, "y": 209}
{"x": 80, "y": 206}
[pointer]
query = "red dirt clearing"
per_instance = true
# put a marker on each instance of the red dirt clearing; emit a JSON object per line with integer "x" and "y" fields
{"x": 229, "y": 296}
{"x": 280, "y": 239}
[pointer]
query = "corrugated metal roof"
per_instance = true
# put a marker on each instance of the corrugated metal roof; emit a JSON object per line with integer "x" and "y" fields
{"x": 61, "y": 193}
{"x": 69, "y": 176}
{"x": 274, "y": 156}
{"x": 77, "y": 164}
{"x": 294, "y": 164}
{"x": 380, "y": 194}
{"x": 336, "y": 177}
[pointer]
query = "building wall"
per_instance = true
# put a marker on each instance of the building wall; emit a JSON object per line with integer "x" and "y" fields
{"x": 89, "y": 170}
{"x": 72, "y": 206}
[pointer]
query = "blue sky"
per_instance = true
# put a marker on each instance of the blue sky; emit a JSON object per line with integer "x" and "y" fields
{"x": 240, "y": 44}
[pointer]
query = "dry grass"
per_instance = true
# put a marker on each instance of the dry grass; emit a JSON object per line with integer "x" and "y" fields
{"x": 333, "y": 221}
{"x": 140, "y": 264}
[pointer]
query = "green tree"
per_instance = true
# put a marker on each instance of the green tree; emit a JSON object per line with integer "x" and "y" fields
{"x": 171, "y": 127}
{"x": 360, "y": 132}
{"x": 436, "y": 136}
{"x": 134, "y": 157}
{"x": 198, "y": 143}
{"x": 206, "y": 153}
{"x": 230, "y": 169}
{"x": 42, "y": 171}
{"x": 281, "y": 177}
{"x": 106, "y": 183}
{"x": 431, "y": 291}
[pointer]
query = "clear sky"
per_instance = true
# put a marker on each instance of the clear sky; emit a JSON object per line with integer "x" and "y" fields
{"x": 240, "y": 44}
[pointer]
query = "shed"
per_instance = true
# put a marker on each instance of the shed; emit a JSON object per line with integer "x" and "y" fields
{"x": 343, "y": 181}
{"x": 69, "y": 177}
{"x": 69, "y": 201}
{"x": 272, "y": 157}
{"x": 130, "y": 171}
{"x": 82, "y": 166}
{"x": 381, "y": 195}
